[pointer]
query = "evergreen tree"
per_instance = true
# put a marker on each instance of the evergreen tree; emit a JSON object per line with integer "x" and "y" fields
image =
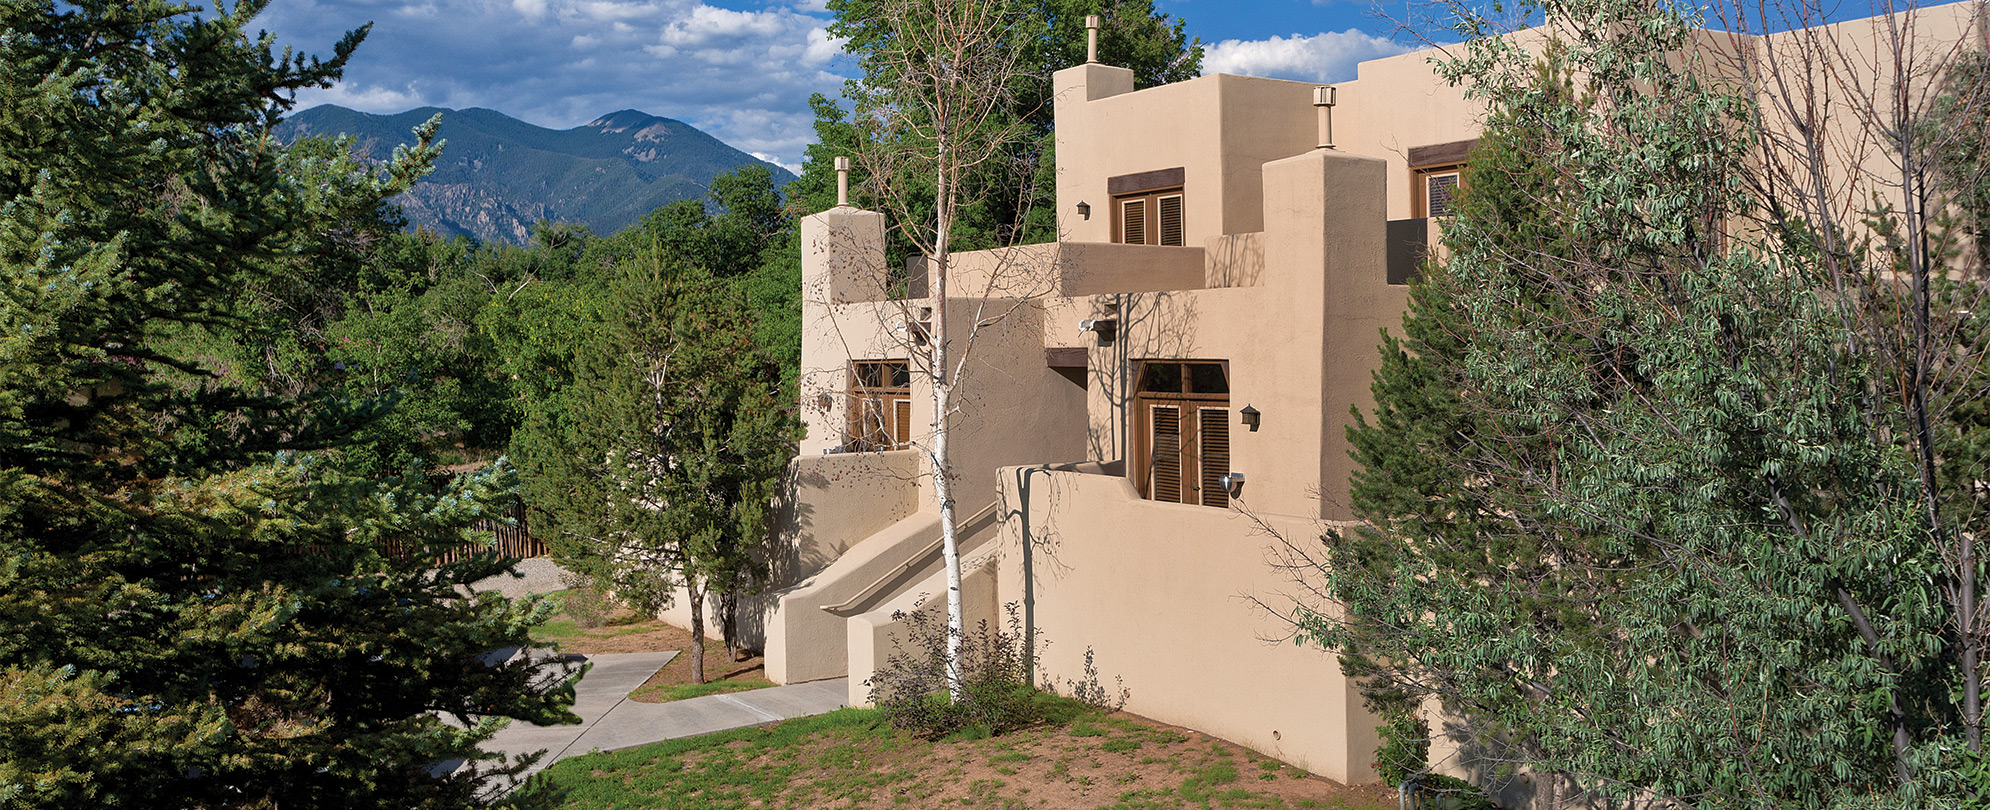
{"x": 197, "y": 609}
{"x": 663, "y": 473}
{"x": 1643, "y": 509}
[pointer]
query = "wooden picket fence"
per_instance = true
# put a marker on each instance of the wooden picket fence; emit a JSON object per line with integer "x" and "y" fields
{"x": 514, "y": 539}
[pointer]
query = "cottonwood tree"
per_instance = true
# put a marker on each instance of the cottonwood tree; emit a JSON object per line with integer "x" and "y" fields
{"x": 934, "y": 112}
{"x": 1670, "y": 487}
{"x": 662, "y": 474}
{"x": 196, "y": 608}
{"x": 1012, "y": 201}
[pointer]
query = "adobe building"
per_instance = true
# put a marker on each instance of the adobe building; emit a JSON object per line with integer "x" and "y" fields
{"x": 1148, "y": 404}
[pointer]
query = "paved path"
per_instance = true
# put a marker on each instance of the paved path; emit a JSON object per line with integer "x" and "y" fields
{"x": 610, "y": 721}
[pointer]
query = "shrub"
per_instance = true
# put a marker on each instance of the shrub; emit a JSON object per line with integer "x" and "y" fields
{"x": 585, "y": 601}
{"x": 1405, "y": 750}
{"x": 997, "y": 695}
{"x": 1404, "y": 758}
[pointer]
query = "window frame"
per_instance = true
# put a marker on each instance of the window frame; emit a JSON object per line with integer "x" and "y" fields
{"x": 1421, "y": 204}
{"x": 1193, "y": 470}
{"x": 893, "y": 406}
{"x": 1151, "y": 201}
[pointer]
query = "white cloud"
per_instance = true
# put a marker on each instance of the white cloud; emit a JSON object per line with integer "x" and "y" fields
{"x": 743, "y": 76}
{"x": 1326, "y": 57}
{"x": 776, "y": 160}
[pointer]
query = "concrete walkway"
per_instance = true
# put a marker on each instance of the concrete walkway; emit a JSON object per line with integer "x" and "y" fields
{"x": 610, "y": 721}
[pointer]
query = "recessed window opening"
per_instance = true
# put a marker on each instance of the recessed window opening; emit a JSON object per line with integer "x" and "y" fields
{"x": 1437, "y": 194}
{"x": 1148, "y": 208}
{"x": 880, "y": 406}
{"x": 1181, "y": 414}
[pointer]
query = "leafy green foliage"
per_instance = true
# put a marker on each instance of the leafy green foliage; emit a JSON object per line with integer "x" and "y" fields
{"x": 996, "y": 695}
{"x": 1640, "y": 510}
{"x": 1011, "y": 198}
{"x": 659, "y": 471}
{"x": 189, "y": 583}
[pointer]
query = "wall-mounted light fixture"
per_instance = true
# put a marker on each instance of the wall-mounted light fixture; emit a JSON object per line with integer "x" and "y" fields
{"x": 1084, "y": 210}
{"x": 1105, "y": 328}
{"x": 1250, "y": 415}
{"x": 1233, "y": 483}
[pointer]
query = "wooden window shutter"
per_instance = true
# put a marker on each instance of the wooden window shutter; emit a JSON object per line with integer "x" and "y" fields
{"x": 902, "y": 422}
{"x": 1167, "y": 452}
{"x": 1214, "y": 426}
{"x": 1133, "y": 222}
{"x": 867, "y": 424}
{"x": 1170, "y": 216}
{"x": 1442, "y": 192}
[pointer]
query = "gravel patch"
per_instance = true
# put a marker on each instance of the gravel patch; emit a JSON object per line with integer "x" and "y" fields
{"x": 537, "y": 575}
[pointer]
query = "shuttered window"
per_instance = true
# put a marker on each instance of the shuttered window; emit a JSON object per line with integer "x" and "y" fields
{"x": 880, "y": 406}
{"x": 1150, "y": 218}
{"x": 1167, "y": 448}
{"x": 1182, "y": 445}
{"x": 1133, "y": 221}
{"x": 1170, "y": 209}
{"x": 1213, "y": 452}
{"x": 1437, "y": 190}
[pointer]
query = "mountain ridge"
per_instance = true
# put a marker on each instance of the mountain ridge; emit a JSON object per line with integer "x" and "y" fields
{"x": 499, "y": 175}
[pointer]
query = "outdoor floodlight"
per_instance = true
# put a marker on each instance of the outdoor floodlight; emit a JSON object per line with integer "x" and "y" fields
{"x": 1105, "y": 328}
{"x": 1233, "y": 484}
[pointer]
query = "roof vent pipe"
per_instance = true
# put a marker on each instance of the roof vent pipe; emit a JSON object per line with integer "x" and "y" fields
{"x": 1323, "y": 100}
{"x": 1092, "y": 39}
{"x": 842, "y": 182}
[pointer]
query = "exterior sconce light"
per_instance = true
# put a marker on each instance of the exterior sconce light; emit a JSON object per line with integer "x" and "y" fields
{"x": 1233, "y": 483}
{"x": 1084, "y": 210}
{"x": 1105, "y": 328}
{"x": 1324, "y": 98}
{"x": 1250, "y": 415}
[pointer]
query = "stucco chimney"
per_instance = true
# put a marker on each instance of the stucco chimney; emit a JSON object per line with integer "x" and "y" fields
{"x": 842, "y": 182}
{"x": 1323, "y": 100}
{"x": 1092, "y": 39}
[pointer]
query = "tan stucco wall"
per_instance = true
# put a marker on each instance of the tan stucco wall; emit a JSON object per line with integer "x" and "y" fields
{"x": 805, "y": 642}
{"x": 1218, "y": 129}
{"x": 1162, "y": 594}
{"x": 1300, "y": 344}
{"x": 875, "y": 636}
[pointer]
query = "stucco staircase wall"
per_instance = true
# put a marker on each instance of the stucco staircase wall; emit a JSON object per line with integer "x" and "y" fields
{"x": 807, "y": 634}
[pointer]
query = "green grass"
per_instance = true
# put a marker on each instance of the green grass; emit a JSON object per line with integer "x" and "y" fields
{"x": 737, "y": 768}
{"x": 853, "y": 757}
{"x": 665, "y": 693}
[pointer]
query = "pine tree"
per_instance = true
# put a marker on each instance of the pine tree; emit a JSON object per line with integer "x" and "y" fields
{"x": 197, "y": 607}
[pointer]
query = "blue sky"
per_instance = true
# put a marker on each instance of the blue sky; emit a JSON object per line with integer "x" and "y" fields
{"x": 739, "y": 69}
